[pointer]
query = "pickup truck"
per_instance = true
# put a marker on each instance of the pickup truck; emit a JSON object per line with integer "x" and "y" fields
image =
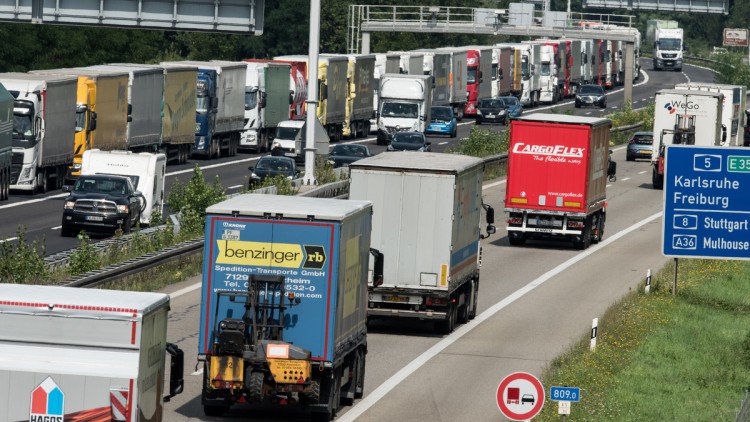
{"x": 101, "y": 203}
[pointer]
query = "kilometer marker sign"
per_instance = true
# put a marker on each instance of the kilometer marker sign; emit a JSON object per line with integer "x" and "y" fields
{"x": 520, "y": 396}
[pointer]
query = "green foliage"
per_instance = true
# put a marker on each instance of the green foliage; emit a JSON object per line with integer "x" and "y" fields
{"x": 85, "y": 258}
{"x": 284, "y": 185}
{"x": 732, "y": 69}
{"x": 482, "y": 143}
{"x": 324, "y": 172}
{"x": 192, "y": 199}
{"x": 22, "y": 262}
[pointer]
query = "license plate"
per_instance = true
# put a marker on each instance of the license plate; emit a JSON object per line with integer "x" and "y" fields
{"x": 400, "y": 299}
{"x": 290, "y": 154}
{"x": 490, "y": 115}
{"x": 94, "y": 218}
{"x": 645, "y": 151}
{"x": 544, "y": 230}
{"x": 545, "y": 222}
{"x": 669, "y": 63}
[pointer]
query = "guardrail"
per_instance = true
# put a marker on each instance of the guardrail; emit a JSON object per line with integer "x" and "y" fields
{"x": 497, "y": 164}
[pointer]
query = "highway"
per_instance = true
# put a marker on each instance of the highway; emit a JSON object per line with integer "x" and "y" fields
{"x": 535, "y": 301}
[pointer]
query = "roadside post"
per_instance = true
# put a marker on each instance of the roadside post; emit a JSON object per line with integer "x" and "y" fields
{"x": 706, "y": 206}
{"x": 564, "y": 396}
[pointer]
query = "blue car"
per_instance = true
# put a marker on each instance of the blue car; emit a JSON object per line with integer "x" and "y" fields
{"x": 442, "y": 122}
{"x": 512, "y": 106}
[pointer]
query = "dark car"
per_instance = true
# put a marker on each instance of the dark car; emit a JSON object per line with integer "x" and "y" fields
{"x": 591, "y": 95}
{"x": 442, "y": 121}
{"x": 513, "y": 106}
{"x": 270, "y": 166}
{"x": 491, "y": 111}
{"x": 747, "y": 129}
{"x": 640, "y": 145}
{"x": 409, "y": 141}
{"x": 101, "y": 203}
{"x": 344, "y": 154}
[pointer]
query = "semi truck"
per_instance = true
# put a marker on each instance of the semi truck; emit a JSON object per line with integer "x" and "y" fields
{"x": 284, "y": 302}
{"x": 557, "y": 177}
{"x": 549, "y": 71}
{"x": 147, "y": 171}
{"x": 6, "y": 141}
{"x": 219, "y": 107}
{"x": 267, "y": 101}
{"x": 478, "y": 79}
{"x": 435, "y": 201}
{"x": 44, "y": 127}
{"x": 101, "y": 113}
{"x": 667, "y": 49}
{"x": 297, "y": 84}
{"x": 457, "y": 77}
{"x": 332, "y": 92}
{"x": 405, "y": 103}
{"x": 145, "y": 96}
{"x": 732, "y": 113}
{"x": 501, "y": 72}
{"x": 684, "y": 117}
{"x": 526, "y": 66}
{"x": 177, "y": 110}
{"x": 85, "y": 354}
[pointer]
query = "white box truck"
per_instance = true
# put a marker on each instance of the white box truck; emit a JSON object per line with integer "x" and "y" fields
{"x": 687, "y": 118}
{"x": 667, "y": 49}
{"x": 146, "y": 170}
{"x": 405, "y": 102}
{"x": 732, "y": 114}
{"x": 84, "y": 354}
{"x": 44, "y": 129}
{"x": 426, "y": 225}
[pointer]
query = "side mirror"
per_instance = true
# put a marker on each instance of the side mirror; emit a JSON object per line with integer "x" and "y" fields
{"x": 214, "y": 102}
{"x": 490, "y": 215}
{"x": 263, "y": 96}
{"x": 428, "y": 143}
{"x": 291, "y": 97}
{"x": 323, "y": 92}
{"x": 130, "y": 113}
{"x": 92, "y": 121}
{"x": 481, "y": 79}
{"x": 67, "y": 188}
{"x": 251, "y": 168}
{"x": 377, "y": 270}
{"x": 176, "y": 369}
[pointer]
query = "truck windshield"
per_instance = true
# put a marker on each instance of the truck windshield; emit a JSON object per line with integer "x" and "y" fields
{"x": 471, "y": 76}
{"x": 403, "y": 110}
{"x": 80, "y": 121}
{"x": 287, "y": 132}
{"x": 525, "y": 67}
{"x": 546, "y": 69}
{"x": 251, "y": 99}
{"x": 23, "y": 134}
{"x": 669, "y": 44}
{"x": 494, "y": 71}
{"x": 201, "y": 104}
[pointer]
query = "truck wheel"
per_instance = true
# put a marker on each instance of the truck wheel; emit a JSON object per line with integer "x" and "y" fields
{"x": 473, "y": 310}
{"x": 516, "y": 240}
{"x": 359, "y": 387}
{"x": 599, "y": 229}
{"x": 656, "y": 179}
{"x": 347, "y": 396}
{"x": 330, "y": 389}
{"x": 255, "y": 386}
{"x": 585, "y": 241}
{"x": 213, "y": 410}
{"x": 447, "y": 325}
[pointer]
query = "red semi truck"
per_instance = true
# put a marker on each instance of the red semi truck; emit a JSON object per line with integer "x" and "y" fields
{"x": 557, "y": 177}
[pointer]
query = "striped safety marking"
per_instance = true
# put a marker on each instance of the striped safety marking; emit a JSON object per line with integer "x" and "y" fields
{"x": 119, "y": 401}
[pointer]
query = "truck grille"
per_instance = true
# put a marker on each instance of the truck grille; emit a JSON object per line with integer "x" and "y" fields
{"x": 96, "y": 205}
{"x": 669, "y": 56}
{"x": 394, "y": 129}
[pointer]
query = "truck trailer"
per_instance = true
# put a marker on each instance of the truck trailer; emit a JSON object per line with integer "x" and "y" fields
{"x": 84, "y": 354}
{"x": 557, "y": 177}
{"x": 101, "y": 113}
{"x": 426, "y": 225}
{"x": 284, "y": 302}
{"x": 685, "y": 117}
{"x": 220, "y": 107}
{"x": 177, "y": 110}
{"x": 44, "y": 127}
{"x": 732, "y": 113}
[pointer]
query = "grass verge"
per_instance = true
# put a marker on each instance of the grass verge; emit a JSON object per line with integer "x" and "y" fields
{"x": 660, "y": 357}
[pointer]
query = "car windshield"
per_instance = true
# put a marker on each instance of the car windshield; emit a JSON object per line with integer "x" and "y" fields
{"x": 491, "y": 104}
{"x": 108, "y": 186}
{"x": 442, "y": 113}
{"x": 287, "y": 132}
{"x": 510, "y": 101}
{"x": 408, "y": 138}
{"x": 274, "y": 164}
{"x": 403, "y": 110}
{"x": 592, "y": 89}
{"x": 349, "y": 151}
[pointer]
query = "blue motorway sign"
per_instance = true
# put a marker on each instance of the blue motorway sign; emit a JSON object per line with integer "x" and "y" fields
{"x": 565, "y": 393}
{"x": 706, "y": 202}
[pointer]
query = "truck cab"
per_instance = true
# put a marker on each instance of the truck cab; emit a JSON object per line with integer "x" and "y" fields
{"x": 288, "y": 133}
{"x": 668, "y": 49}
{"x": 405, "y": 103}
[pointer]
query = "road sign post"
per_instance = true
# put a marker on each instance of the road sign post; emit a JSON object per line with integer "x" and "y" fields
{"x": 520, "y": 396}
{"x": 706, "y": 205}
{"x": 568, "y": 394}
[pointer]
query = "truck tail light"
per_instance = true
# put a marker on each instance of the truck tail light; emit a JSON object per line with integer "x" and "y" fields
{"x": 575, "y": 224}
{"x": 515, "y": 221}
{"x": 431, "y": 301}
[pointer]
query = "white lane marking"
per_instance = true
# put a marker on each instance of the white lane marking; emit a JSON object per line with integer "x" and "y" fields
{"x": 442, "y": 143}
{"x": 56, "y": 228}
{"x": 235, "y": 187}
{"x": 10, "y": 239}
{"x": 185, "y": 290}
{"x": 198, "y": 372}
{"x": 587, "y": 113}
{"x": 493, "y": 184}
{"x": 626, "y": 178}
{"x": 614, "y": 107}
{"x": 609, "y": 185}
{"x": 642, "y": 172}
{"x": 433, "y": 351}
{"x": 33, "y": 201}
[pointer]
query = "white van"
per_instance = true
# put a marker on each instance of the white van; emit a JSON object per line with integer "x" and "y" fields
{"x": 147, "y": 172}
